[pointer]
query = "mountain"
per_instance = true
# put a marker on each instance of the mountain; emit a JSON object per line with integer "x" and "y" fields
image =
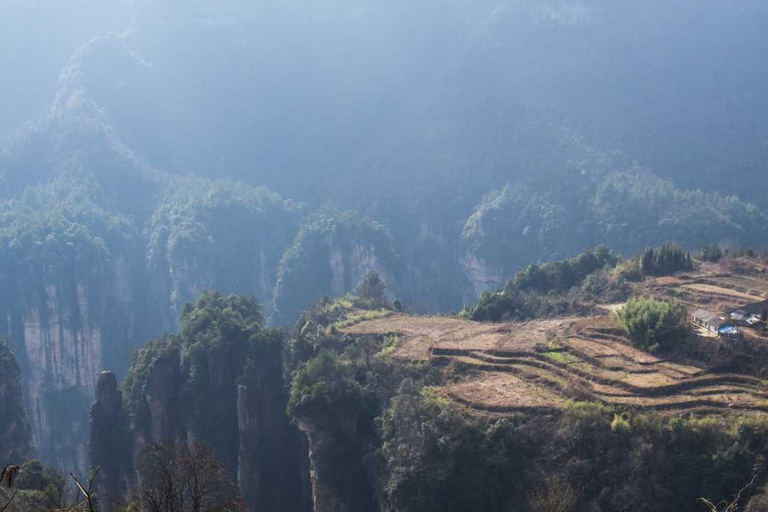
{"x": 163, "y": 148}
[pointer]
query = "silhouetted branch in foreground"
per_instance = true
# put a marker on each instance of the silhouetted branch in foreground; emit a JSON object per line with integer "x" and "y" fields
{"x": 733, "y": 506}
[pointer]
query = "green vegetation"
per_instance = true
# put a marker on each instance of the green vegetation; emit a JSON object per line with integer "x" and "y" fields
{"x": 423, "y": 452}
{"x": 711, "y": 253}
{"x": 373, "y": 290}
{"x": 627, "y": 211}
{"x": 552, "y": 289}
{"x": 561, "y": 276}
{"x": 637, "y": 209}
{"x": 324, "y": 381}
{"x": 220, "y": 381}
{"x": 40, "y": 489}
{"x": 630, "y": 270}
{"x": 59, "y": 235}
{"x": 432, "y": 457}
{"x": 666, "y": 260}
{"x": 653, "y": 324}
{"x": 557, "y": 356}
{"x": 14, "y": 428}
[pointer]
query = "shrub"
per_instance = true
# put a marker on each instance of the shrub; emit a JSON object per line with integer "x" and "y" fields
{"x": 630, "y": 270}
{"x": 322, "y": 382}
{"x": 619, "y": 425}
{"x": 372, "y": 289}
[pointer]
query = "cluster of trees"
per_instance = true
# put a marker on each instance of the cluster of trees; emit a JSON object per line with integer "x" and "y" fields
{"x": 437, "y": 459}
{"x": 552, "y": 289}
{"x": 710, "y": 253}
{"x": 627, "y": 211}
{"x": 14, "y": 427}
{"x": 561, "y": 276}
{"x": 176, "y": 478}
{"x": 653, "y": 324}
{"x": 54, "y": 233}
{"x": 220, "y": 381}
{"x": 665, "y": 260}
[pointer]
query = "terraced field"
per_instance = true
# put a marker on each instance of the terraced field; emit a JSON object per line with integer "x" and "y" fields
{"x": 715, "y": 287}
{"x": 537, "y": 366}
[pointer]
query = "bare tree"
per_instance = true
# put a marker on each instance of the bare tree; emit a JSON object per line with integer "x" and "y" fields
{"x": 8, "y": 474}
{"x": 181, "y": 479}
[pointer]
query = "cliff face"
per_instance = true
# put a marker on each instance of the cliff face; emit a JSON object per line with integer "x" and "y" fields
{"x": 484, "y": 277}
{"x": 67, "y": 338}
{"x": 14, "y": 430}
{"x": 68, "y": 303}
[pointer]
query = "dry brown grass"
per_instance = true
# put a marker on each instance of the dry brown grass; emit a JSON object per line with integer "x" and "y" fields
{"x": 718, "y": 290}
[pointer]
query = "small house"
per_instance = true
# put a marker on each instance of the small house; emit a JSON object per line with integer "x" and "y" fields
{"x": 716, "y": 325}
{"x": 758, "y": 309}
{"x": 745, "y": 319}
{"x": 708, "y": 320}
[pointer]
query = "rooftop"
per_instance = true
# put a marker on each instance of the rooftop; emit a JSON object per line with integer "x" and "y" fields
{"x": 708, "y": 317}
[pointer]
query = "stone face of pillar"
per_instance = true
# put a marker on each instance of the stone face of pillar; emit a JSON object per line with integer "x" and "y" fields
{"x": 272, "y": 462}
{"x": 109, "y": 446}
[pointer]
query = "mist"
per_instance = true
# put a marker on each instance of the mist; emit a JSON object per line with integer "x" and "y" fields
{"x": 292, "y": 231}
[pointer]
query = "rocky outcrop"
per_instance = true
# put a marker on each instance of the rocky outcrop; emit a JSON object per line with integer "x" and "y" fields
{"x": 109, "y": 445}
{"x": 15, "y": 435}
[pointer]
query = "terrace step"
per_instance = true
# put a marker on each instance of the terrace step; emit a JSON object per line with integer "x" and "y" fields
{"x": 567, "y": 371}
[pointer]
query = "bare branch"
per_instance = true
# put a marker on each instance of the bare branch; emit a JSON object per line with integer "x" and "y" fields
{"x": 8, "y": 504}
{"x": 733, "y": 506}
{"x": 88, "y": 494}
